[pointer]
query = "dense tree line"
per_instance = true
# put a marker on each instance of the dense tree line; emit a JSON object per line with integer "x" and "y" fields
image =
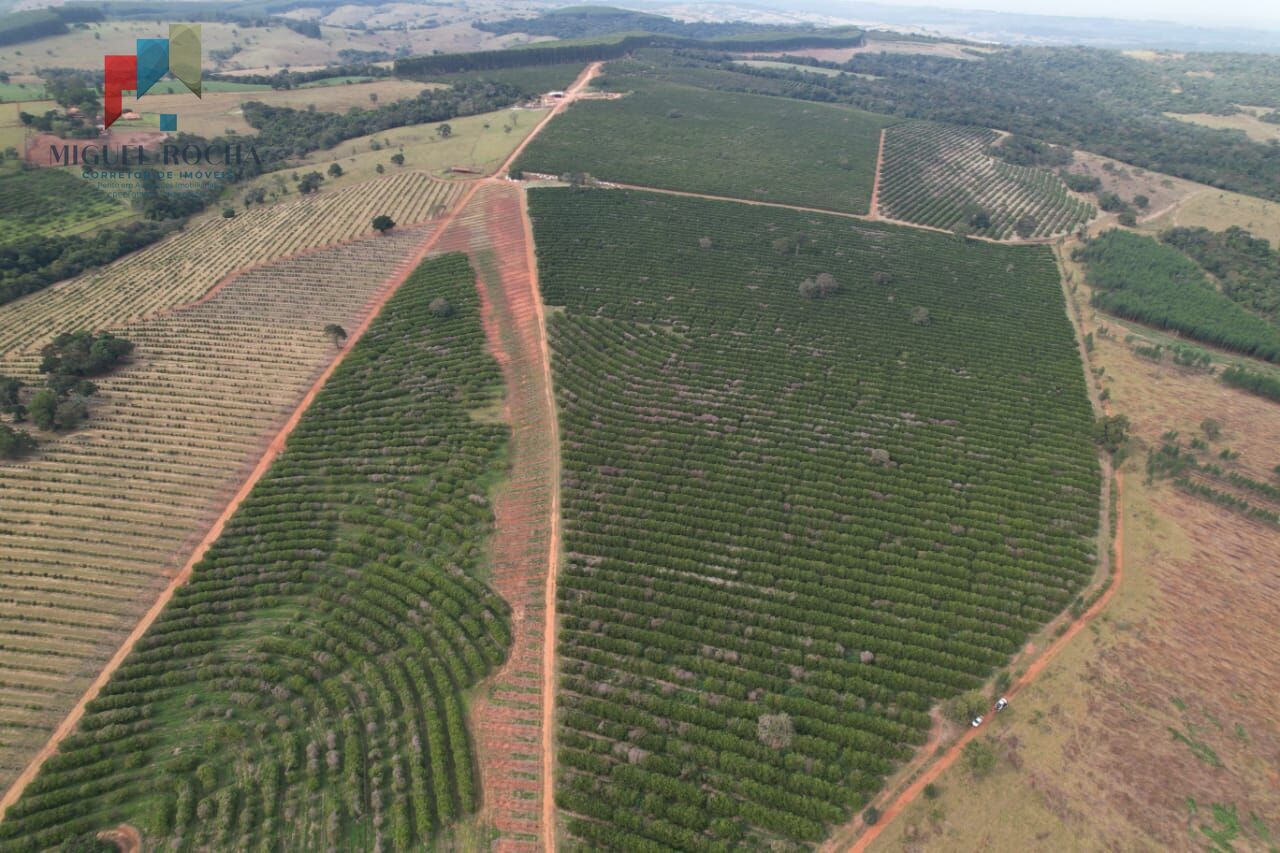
{"x": 287, "y": 78}
{"x": 594, "y": 21}
{"x": 1141, "y": 279}
{"x": 1247, "y": 266}
{"x": 32, "y": 263}
{"x": 289, "y": 132}
{"x": 1263, "y": 385}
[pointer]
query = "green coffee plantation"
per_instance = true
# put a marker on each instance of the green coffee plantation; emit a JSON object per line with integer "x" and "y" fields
{"x": 939, "y": 175}
{"x": 50, "y": 202}
{"x": 302, "y": 691}
{"x": 186, "y": 265}
{"x": 793, "y": 525}
{"x": 742, "y": 146}
{"x": 94, "y": 524}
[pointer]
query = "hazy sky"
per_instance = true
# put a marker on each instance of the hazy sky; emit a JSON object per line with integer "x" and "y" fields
{"x": 1220, "y": 12}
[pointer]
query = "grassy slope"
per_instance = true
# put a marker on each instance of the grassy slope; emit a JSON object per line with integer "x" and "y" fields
{"x": 746, "y": 146}
{"x": 50, "y": 202}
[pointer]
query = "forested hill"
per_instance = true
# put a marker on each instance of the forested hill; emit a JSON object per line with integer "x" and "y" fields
{"x": 594, "y": 21}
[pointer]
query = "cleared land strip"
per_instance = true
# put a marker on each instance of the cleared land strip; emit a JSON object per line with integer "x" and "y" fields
{"x": 507, "y": 717}
{"x": 93, "y": 525}
{"x": 188, "y": 264}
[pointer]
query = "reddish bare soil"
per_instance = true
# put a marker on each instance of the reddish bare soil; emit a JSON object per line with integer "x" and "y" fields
{"x": 124, "y": 837}
{"x": 507, "y": 717}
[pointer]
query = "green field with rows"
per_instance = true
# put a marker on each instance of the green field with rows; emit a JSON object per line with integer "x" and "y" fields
{"x": 941, "y": 175}
{"x": 50, "y": 202}
{"x": 1139, "y": 278}
{"x": 303, "y": 690}
{"x": 793, "y": 524}
{"x": 744, "y": 146}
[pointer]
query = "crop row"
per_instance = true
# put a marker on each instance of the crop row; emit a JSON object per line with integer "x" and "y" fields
{"x": 302, "y": 691}
{"x": 743, "y": 146}
{"x": 48, "y": 201}
{"x": 187, "y": 265}
{"x": 792, "y": 524}
{"x": 942, "y": 176}
{"x": 91, "y": 523}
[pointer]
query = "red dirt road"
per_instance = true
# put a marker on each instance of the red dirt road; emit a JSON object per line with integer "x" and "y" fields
{"x": 276, "y": 445}
{"x": 873, "y": 212}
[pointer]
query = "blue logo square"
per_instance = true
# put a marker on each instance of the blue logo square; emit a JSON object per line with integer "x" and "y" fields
{"x": 169, "y": 121}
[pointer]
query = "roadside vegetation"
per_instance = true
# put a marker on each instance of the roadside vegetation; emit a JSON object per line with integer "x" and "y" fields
{"x": 792, "y": 523}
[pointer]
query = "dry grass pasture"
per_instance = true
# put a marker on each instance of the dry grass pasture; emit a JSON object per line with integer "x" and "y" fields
{"x": 94, "y": 523}
{"x": 187, "y": 265}
{"x": 479, "y": 143}
{"x": 1155, "y": 729}
{"x": 12, "y": 133}
{"x": 1246, "y": 122}
{"x": 216, "y": 113}
{"x": 1218, "y": 209}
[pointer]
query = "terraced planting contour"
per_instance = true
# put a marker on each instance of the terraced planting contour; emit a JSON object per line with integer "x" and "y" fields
{"x": 186, "y": 265}
{"x": 792, "y": 525}
{"x": 95, "y": 522}
{"x": 48, "y": 201}
{"x": 303, "y": 690}
{"x": 743, "y": 146}
{"x": 939, "y": 175}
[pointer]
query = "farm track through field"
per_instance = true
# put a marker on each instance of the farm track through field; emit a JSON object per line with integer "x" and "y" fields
{"x": 426, "y": 244}
{"x": 873, "y": 211}
{"x": 1111, "y": 571}
{"x": 862, "y": 217}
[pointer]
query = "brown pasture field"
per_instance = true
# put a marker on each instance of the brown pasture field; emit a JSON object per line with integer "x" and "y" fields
{"x": 950, "y": 50}
{"x": 1088, "y": 757}
{"x": 216, "y": 113}
{"x": 1164, "y": 191}
{"x": 1246, "y": 122}
{"x": 1218, "y": 209}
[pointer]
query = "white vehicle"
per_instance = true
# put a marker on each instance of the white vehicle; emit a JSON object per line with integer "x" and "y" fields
{"x": 1001, "y": 704}
{"x": 977, "y": 721}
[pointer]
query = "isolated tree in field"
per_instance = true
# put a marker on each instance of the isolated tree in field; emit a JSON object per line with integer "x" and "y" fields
{"x": 775, "y": 730}
{"x": 793, "y": 244}
{"x": 379, "y": 168}
{"x": 881, "y": 278}
{"x": 228, "y": 213}
{"x": 1025, "y": 226}
{"x": 310, "y": 182}
{"x": 9, "y": 393}
{"x": 14, "y": 443}
{"x": 979, "y": 219}
{"x": 335, "y": 333}
{"x": 1141, "y": 202}
{"x": 979, "y": 758}
{"x": 441, "y": 307}
{"x": 823, "y": 285}
{"x": 397, "y": 159}
{"x": 373, "y": 97}
{"x": 1111, "y": 432}
{"x": 383, "y": 223}
{"x": 445, "y": 130}
{"x": 920, "y": 316}
{"x": 335, "y": 171}
{"x": 43, "y": 408}
{"x": 1212, "y": 429}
